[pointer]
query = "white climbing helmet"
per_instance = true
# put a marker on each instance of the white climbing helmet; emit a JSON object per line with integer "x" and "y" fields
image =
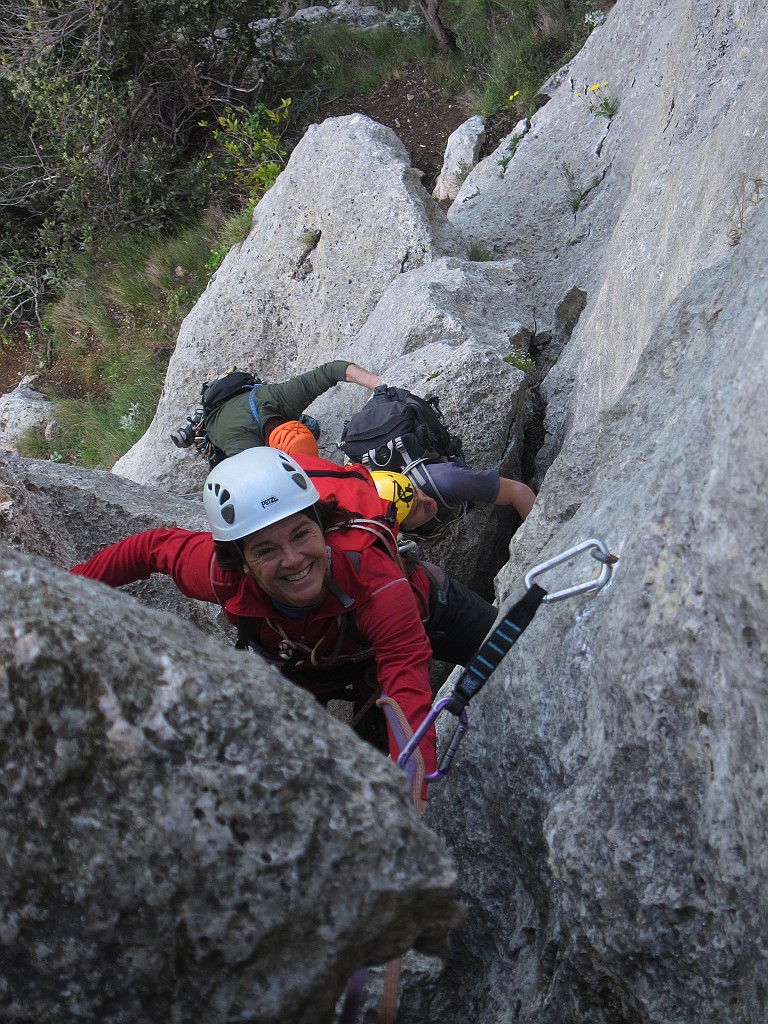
{"x": 255, "y": 489}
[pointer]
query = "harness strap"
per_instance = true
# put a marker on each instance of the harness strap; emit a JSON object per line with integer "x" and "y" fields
{"x": 380, "y": 531}
{"x": 438, "y": 581}
{"x": 390, "y": 993}
{"x": 401, "y": 730}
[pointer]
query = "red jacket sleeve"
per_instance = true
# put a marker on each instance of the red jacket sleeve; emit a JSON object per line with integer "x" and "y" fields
{"x": 391, "y": 620}
{"x": 184, "y": 555}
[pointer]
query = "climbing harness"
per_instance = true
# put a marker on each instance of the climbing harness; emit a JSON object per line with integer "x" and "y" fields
{"x": 499, "y": 643}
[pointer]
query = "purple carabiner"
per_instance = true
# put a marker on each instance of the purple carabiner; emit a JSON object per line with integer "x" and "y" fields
{"x": 458, "y": 735}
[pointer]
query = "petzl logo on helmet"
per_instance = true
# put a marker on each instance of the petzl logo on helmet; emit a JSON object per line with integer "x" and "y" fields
{"x": 268, "y": 501}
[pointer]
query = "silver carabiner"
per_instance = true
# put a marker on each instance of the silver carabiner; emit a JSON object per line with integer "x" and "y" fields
{"x": 597, "y": 549}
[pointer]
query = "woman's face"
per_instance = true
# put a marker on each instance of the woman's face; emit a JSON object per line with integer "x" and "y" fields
{"x": 288, "y": 560}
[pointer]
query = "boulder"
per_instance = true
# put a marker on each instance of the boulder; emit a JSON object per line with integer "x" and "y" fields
{"x": 186, "y": 835}
{"x": 21, "y": 410}
{"x": 461, "y": 153}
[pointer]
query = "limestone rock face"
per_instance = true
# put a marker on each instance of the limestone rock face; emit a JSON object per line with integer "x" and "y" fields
{"x": 606, "y": 812}
{"x": 355, "y": 15}
{"x": 185, "y": 835}
{"x": 613, "y": 835}
{"x": 659, "y": 188}
{"x": 345, "y": 218}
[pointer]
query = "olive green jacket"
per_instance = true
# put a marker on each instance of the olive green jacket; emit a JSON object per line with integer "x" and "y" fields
{"x": 232, "y": 428}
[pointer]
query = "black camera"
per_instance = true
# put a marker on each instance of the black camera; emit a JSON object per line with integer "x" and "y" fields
{"x": 185, "y": 436}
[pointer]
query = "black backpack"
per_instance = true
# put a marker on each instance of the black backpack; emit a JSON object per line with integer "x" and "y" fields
{"x": 213, "y": 396}
{"x": 395, "y": 428}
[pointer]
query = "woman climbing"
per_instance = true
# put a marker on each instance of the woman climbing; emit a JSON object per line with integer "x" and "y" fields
{"x": 314, "y": 585}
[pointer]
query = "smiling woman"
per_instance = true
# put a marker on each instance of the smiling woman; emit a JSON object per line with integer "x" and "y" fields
{"x": 315, "y": 588}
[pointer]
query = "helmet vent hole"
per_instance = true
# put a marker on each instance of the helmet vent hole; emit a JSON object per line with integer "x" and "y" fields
{"x": 300, "y": 481}
{"x": 228, "y": 514}
{"x": 224, "y": 497}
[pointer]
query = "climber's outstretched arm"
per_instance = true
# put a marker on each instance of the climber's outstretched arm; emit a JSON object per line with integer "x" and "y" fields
{"x": 516, "y": 494}
{"x": 358, "y": 375}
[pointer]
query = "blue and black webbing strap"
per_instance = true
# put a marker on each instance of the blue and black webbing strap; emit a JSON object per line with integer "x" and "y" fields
{"x": 252, "y": 406}
{"x": 495, "y": 647}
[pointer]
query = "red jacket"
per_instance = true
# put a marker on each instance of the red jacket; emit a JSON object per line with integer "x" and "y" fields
{"x": 385, "y": 613}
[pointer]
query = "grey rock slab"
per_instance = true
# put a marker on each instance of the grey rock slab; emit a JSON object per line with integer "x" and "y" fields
{"x": 461, "y": 153}
{"x": 67, "y": 514}
{"x": 659, "y": 181}
{"x": 20, "y": 410}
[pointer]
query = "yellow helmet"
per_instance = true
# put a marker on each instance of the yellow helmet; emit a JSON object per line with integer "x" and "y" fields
{"x": 396, "y": 488}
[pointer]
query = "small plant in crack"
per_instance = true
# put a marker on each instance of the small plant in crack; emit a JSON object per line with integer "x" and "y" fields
{"x": 600, "y": 102}
{"x": 575, "y": 194}
{"x": 516, "y": 357}
{"x": 309, "y": 237}
{"x": 479, "y": 252}
{"x": 463, "y": 171}
{"x": 509, "y": 151}
{"x": 594, "y": 18}
{"x": 747, "y": 194}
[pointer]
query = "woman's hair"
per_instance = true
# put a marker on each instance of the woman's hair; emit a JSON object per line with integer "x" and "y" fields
{"x": 229, "y": 553}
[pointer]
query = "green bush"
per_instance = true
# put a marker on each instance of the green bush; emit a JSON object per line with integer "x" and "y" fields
{"x": 100, "y": 110}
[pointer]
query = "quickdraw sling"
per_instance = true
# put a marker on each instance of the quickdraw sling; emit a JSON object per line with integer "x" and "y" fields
{"x": 499, "y": 642}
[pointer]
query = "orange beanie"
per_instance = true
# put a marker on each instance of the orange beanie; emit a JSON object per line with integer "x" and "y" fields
{"x": 293, "y": 438}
